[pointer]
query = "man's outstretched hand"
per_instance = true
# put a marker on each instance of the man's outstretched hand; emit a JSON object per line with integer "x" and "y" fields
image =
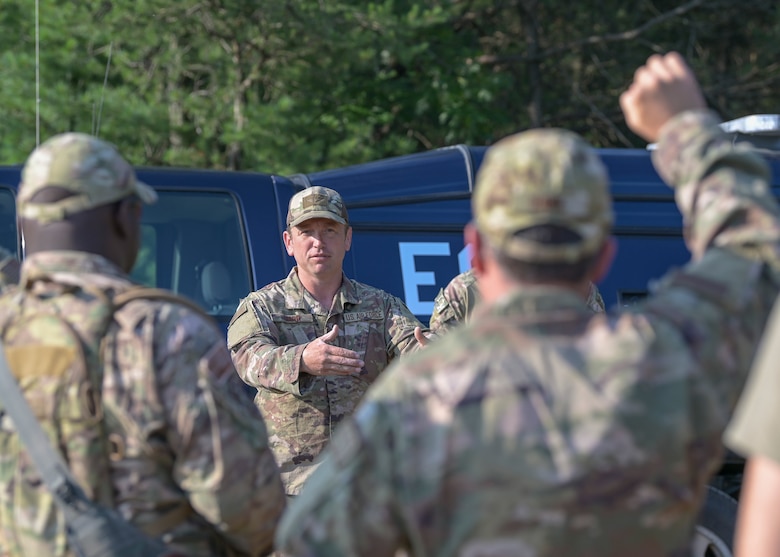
{"x": 322, "y": 358}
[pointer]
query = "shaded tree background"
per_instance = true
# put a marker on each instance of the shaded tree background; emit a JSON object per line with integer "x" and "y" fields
{"x": 302, "y": 85}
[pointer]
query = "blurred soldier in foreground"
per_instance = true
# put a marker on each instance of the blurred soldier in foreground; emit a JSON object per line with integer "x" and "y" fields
{"x": 455, "y": 303}
{"x": 541, "y": 428}
{"x": 311, "y": 344}
{"x": 173, "y": 444}
{"x": 753, "y": 433}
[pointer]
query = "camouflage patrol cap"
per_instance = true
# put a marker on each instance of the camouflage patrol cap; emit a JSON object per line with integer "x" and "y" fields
{"x": 88, "y": 167}
{"x": 316, "y": 202}
{"x": 542, "y": 176}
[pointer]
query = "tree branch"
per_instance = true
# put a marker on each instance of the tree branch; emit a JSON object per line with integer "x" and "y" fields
{"x": 594, "y": 39}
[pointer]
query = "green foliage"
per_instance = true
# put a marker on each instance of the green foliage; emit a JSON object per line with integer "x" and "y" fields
{"x": 303, "y": 85}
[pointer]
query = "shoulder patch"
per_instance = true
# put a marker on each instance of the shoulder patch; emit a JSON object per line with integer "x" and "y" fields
{"x": 240, "y": 310}
{"x": 243, "y": 325}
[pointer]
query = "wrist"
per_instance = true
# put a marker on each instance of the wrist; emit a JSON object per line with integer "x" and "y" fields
{"x": 683, "y": 138}
{"x": 302, "y": 366}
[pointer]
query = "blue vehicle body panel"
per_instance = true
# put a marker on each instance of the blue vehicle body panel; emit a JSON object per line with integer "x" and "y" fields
{"x": 255, "y": 201}
{"x": 407, "y": 212}
{"x": 419, "y": 233}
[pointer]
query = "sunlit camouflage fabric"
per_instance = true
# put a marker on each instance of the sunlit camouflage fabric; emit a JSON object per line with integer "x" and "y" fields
{"x": 316, "y": 202}
{"x": 541, "y": 428}
{"x": 542, "y": 176}
{"x": 88, "y": 167}
{"x": 267, "y": 337}
{"x": 455, "y": 303}
{"x": 595, "y": 302}
{"x": 187, "y": 455}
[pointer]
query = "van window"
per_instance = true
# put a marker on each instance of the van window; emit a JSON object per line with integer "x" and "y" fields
{"x": 193, "y": 244}
{"x": 8, "y": 235}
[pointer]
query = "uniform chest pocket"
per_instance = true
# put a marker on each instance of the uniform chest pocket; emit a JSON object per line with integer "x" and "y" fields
{"x": 364, "y": 332}
{"x": 295, "y": 329}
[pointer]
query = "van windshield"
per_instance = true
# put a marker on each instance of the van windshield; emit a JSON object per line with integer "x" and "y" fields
{"x": 193, "y": 244}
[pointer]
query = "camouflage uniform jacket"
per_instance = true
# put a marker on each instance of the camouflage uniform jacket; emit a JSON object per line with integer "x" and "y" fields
{"x": 455, "y": 302}
{"x": 187, "y": 454}
{"x": 541, "y": 429}
{"x": 267, "y": 336}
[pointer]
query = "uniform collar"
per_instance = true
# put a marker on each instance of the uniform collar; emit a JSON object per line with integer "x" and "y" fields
{"x": 538, "y": 300}
{"x": 295, "y": 294}
{"x": 68, "y": 266}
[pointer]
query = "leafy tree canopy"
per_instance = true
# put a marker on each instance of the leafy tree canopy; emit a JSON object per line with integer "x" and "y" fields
{"x": 303, "y": 85}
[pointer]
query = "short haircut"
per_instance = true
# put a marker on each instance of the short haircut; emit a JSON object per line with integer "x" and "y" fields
{"x": 550, "y": 234}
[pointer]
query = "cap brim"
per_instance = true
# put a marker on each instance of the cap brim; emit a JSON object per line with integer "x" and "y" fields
{"x": 317, "y": 215}
{"x": 145, "y": 192}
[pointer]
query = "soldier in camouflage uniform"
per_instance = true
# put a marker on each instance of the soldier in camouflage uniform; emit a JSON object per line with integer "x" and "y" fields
{"x": 455, "y": 302}
{"x": 175, "y": 446}
{"x": 312, "y": 343}
{"x": 541, "y": 428}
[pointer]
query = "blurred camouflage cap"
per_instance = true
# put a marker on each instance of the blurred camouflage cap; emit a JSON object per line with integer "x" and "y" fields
{"x": 542, "y": 176}
{"x": 316, "y": 202}
{"x": 88, "y": 167}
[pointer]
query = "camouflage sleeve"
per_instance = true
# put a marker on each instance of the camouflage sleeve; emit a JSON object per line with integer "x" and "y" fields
{"x": 222, "y": 460}
{"x": 455, "y": 303}
{"x": 400, "y": 326}
{"x": 349, "y": 505}
{"x": 260, "y": 359}
{"x": 714, "y": 309}
{"x": 595, "y": 301}
{"x": 444, "y": 316}
{"x": 721, "y": 189}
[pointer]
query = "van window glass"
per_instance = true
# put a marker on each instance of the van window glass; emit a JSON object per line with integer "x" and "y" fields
{"x": 193, "y": 244}
{"x": 8, "y": 235}
{"x": 145, "y": 269}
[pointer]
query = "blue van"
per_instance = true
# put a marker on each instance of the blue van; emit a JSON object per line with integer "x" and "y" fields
{"x": 412, "y": 209}
{"x": 215, "y": 236}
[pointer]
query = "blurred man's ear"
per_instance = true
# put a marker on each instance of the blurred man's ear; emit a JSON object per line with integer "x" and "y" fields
{"x": 473, "y": 240}
{"x": 604, "y": 259}
{"x": 348, "y": 237}
{"x": 128, "y": 216}
{"x": 287, "y": 238}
